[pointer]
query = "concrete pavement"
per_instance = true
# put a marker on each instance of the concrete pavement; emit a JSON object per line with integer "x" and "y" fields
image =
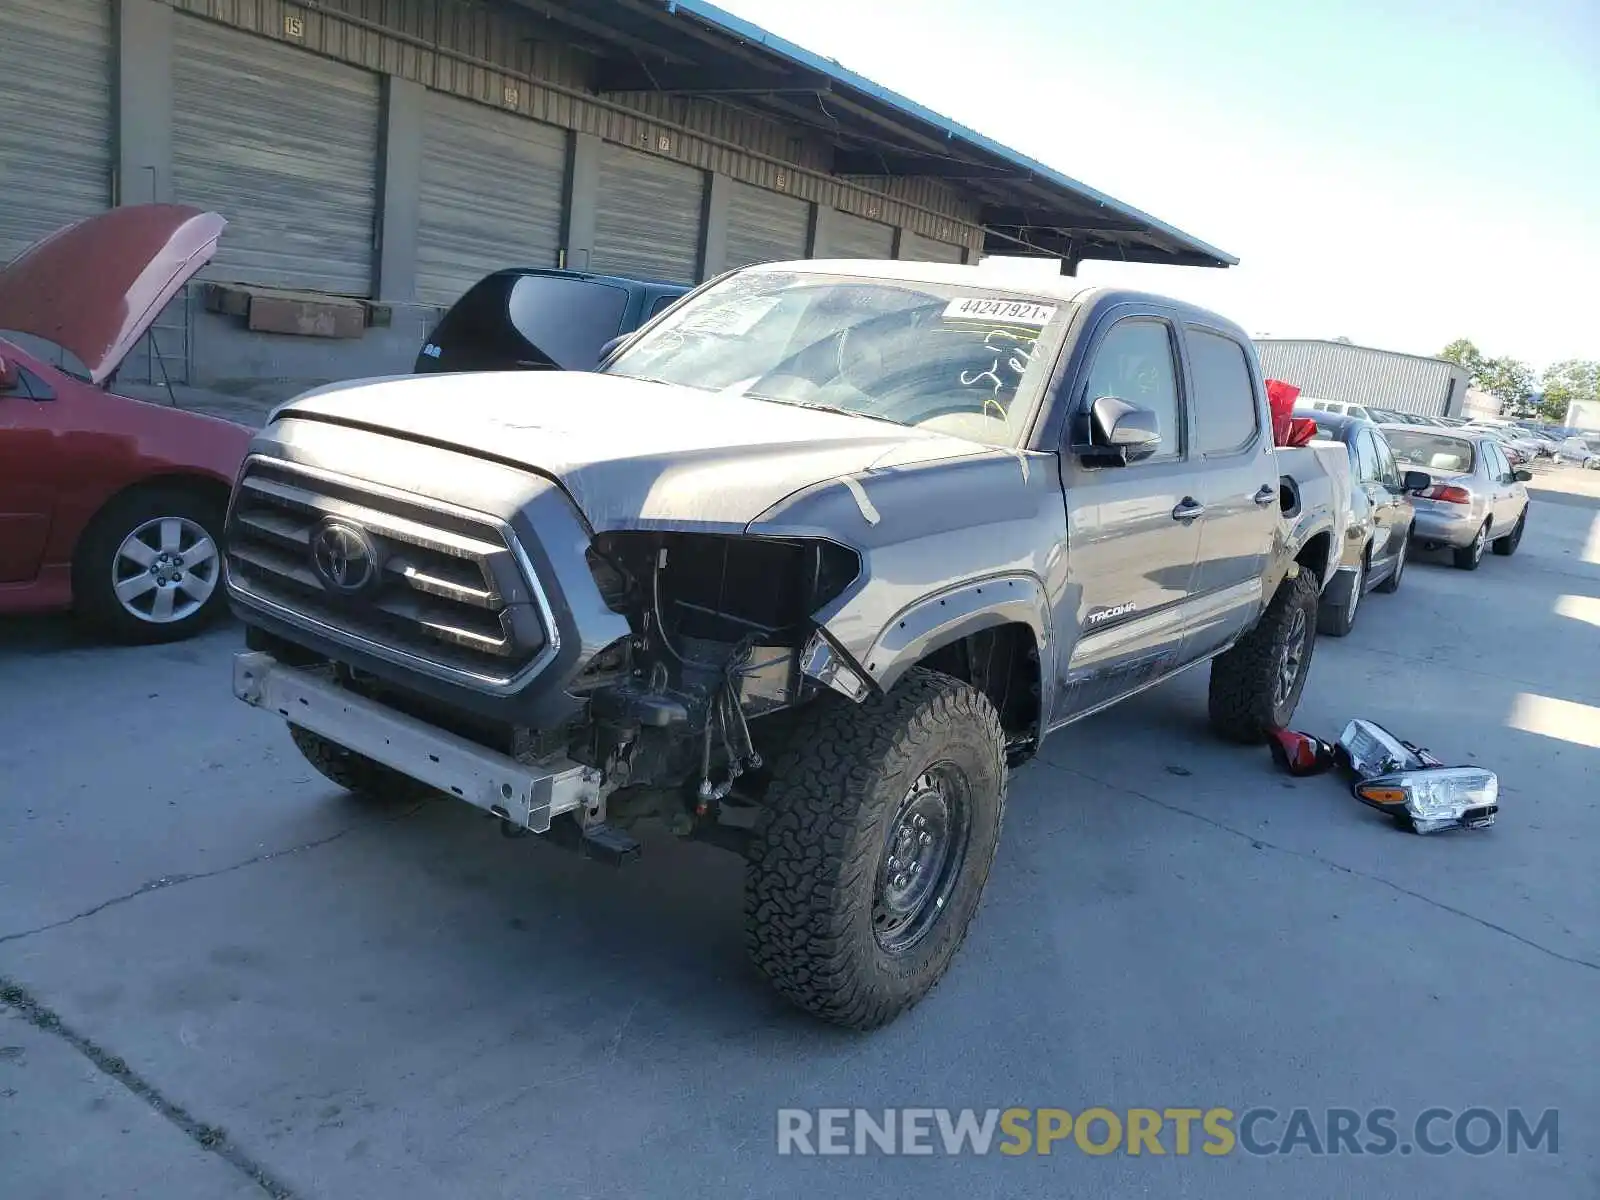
{"x": 314, "y": 997}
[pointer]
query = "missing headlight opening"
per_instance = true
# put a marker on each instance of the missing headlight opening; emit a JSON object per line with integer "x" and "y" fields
{"x": 718, "y": 625}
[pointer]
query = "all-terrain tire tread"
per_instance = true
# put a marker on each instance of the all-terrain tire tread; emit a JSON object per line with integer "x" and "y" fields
{"x": 805, "y": 858}
{"x": 1240, "y": 694}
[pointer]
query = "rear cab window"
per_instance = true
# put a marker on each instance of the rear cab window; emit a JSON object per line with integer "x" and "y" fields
{"x": 1227, "y": 411}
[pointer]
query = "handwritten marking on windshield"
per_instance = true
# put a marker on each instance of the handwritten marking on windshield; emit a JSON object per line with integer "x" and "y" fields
{"x": 1017, "y": 357}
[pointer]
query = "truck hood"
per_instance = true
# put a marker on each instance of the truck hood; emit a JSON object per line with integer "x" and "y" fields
{"x": 631, "y": 453}
{"x": 95, "y": 287}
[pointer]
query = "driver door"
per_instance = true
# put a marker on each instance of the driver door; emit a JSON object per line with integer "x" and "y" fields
{"x": 1131, "y": 551}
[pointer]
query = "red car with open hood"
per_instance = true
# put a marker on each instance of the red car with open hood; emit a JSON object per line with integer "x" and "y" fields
{"x": 108, "y": 505}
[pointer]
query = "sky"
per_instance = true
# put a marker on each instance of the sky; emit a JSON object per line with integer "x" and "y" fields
{"x": 1398, "y": 172}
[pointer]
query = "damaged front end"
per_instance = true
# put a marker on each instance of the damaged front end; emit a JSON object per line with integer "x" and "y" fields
{"x": 721, "y": 641}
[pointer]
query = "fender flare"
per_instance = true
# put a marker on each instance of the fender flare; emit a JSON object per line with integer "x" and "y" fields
{"x": 944, "y": 617}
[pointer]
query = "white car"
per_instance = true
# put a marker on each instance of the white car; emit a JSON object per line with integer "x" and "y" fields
{"x": 1583, "y": 451}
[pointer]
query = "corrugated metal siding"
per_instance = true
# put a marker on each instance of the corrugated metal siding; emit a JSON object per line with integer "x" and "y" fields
{"x": 847, "y": 236}
{"x": 647, "y": 217}
{"x": 924, "y": 249}
{"x": 55, "y": 116}
{"x": 1360, "y": 375}
{"x": 764, "y": 226}
{"x": 285, "y": 145}
{"x": 500, "y": 55}
{"x": 493, "y": 186}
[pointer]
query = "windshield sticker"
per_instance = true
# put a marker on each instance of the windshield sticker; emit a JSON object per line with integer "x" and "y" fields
{"x": 1003, "y": 312}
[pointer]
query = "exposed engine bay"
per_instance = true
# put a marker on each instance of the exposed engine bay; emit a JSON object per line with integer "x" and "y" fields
{"x": 719, "y": 623}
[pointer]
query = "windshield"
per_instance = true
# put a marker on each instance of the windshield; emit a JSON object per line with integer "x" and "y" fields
{"x": 1431, "y": 451}
{"x": 957, "y": 359}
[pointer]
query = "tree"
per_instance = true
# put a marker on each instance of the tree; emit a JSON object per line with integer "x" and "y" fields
{"x": 1567, "y": 381}
{"x": 1507, "y": 378}
{"x": 1464, "y": 354}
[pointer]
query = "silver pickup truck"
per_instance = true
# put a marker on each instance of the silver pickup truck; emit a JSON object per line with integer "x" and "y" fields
{"x": 804, "y": 569}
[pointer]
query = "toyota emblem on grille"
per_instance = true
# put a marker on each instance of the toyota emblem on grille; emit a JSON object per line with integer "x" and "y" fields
{"x": 343, "y": 557}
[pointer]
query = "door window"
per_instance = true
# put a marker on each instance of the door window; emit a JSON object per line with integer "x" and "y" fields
{"x": 1495, "y": 463}
{"x": 1226, "y": 412}
{"x": 1134, "y": 363}
{"x": 1388, "y": 469}
{"x": 1366, "y": 457}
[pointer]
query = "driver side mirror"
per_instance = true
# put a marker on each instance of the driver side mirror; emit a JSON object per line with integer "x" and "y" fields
{"x": 1122, "y": 430}
{"x": 1416, "y": 481}
{"x": 1522, "y": 475}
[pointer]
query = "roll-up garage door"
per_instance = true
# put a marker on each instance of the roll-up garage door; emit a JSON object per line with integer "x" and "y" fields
{"x": 285, "y": 146}
{"x": 55, "y": 117}
{"x": 764, "y": 226}
{"x": 493, "y": 185}
{"x": 847, "y": 236}
{"x": 926, "y": 249}
{"x": 647, "y": 217}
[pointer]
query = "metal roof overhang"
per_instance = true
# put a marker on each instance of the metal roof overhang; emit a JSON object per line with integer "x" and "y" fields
{"x": 689, "y": 47}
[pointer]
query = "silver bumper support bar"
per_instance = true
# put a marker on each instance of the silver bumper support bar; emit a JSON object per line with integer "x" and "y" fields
{"x": 527, "y": 796}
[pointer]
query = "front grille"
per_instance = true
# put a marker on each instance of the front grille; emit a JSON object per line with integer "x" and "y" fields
{"x": 440, "y": 586}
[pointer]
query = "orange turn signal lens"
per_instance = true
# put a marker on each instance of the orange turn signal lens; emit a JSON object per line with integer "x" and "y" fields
{"x": 1382, "y": 795}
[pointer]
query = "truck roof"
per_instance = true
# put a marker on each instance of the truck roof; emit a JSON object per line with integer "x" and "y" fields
{"x": 1065, "y": 288}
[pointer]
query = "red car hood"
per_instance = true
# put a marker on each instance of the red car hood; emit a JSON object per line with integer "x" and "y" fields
{"x": 95, "y": 286}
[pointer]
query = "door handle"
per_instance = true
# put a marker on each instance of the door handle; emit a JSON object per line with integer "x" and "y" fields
{"x": 1265, "y": 495}
{"x": 1188, "y": 509}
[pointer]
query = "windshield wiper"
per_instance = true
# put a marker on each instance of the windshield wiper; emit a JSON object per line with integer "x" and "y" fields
{"x": 830, "y": 408}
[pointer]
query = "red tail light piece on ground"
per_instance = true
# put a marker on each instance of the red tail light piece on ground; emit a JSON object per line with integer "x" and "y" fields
{"x": 1300, "y": 753}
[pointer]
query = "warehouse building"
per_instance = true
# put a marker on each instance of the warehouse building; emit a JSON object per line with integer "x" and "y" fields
{"x": 1340, "y": 370}
{"x": 375, "y": 157}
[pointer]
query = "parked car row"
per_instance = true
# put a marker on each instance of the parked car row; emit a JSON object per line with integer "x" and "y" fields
{"x": 1416, "y": 483}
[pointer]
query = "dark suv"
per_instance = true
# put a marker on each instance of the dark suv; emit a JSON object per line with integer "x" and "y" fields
{"x": 529, "y": 319}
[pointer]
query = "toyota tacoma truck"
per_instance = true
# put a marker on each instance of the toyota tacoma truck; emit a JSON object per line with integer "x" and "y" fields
{"x": 804, "y": 568}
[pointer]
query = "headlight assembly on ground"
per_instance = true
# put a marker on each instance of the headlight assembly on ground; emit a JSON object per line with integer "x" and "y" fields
{"x": 1413, "y": 786}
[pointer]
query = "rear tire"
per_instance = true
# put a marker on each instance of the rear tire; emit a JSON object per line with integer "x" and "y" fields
{"x": 355, "y": 772}
{"x": 149, "y": 566}
{"x": 843, "y": 915}
{"x": 1506, "y": 546}
{"x": 1468, "y": 558}
{"x": 1256, "y": 686}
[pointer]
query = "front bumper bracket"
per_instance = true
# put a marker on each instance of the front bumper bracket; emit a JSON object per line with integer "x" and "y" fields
{"x": 523, "y": 794}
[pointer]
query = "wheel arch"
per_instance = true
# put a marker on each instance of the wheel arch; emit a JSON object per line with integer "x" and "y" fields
{"x": 928, "y": 628}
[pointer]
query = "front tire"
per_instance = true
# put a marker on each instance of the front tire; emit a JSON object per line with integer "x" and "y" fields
{"x": 1506, "y": 546}
{"x": 149, "y": 566}
{"x": 880, "y": 827}
{"x": 1391, "y": 585}
{"x": 1256, "y": 685}
{"x": 1337, "y": 620}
